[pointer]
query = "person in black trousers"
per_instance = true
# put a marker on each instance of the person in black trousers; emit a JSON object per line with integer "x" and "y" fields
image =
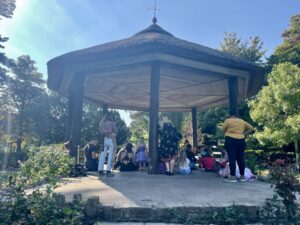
{"x": 235, "y": 130}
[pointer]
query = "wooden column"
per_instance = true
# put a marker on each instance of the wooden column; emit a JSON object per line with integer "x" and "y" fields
{"x": 76, "y": 108}
{"x": 194, "y": 124}
{"x": 153, "y": 117}
{"x": 233, "y": 94}
{"x": 70, "y": 116}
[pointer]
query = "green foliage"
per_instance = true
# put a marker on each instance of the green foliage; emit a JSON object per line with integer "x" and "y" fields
{"x": 251, "y": 50}
{"x": 276, "y": 107}
{"x": 230, "y": 216}
{"x": 285, "y": 184}
{"x": 21, "y": 92}
{"x": 46, "y": 164}
{"x": 282, "y": 207}
{"x": 255, "y": 159}
{"x": 289, "y": 50}
{"x": 139, "y": 126}
{"x": 123, "y": 131}
{"x": 209, "y": 119}
{"x": 39, "y": 207}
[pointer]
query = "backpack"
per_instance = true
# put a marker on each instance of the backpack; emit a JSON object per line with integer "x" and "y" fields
{"x": 78, "y": 170}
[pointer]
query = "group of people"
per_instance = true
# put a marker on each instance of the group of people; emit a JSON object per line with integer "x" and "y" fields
{"x": 127, "y": 159}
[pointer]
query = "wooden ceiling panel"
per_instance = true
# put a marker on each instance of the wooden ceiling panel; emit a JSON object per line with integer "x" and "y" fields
{"x": 178, "y": 88}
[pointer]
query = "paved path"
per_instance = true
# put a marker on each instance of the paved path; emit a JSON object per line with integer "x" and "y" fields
{"x": 139, "y": 189}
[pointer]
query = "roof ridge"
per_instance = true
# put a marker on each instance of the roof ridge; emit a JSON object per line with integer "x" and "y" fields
{"x": 154, "y": 28}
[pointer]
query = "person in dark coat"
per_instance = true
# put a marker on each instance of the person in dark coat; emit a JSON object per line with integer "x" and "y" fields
{"x": 168, "y": 149}
{"x": 191, "y": 156}
{"x": 91, "y": 151}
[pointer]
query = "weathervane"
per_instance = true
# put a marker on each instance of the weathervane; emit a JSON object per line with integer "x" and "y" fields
{"x": 155, "y": 9}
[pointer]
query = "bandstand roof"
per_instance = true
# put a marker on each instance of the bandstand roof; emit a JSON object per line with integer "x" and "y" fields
{"x": 118, "y": 73}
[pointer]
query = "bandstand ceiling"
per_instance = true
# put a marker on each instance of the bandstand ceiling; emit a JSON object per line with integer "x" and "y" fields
{"x": 117, "y": 74}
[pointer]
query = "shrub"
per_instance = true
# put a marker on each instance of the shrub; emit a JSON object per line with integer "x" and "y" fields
{"x": 255, "y": 159}
{"x": 39, "y": 207}
{"x": 46, "y": 164}
{"x": 283, "y": 206}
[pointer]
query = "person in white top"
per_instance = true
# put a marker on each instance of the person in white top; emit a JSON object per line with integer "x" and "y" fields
{"x": 184, "y": 164}
{"x": 107, "y": 127}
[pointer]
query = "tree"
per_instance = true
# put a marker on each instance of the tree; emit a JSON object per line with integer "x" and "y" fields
{"x": 289, "y": 50}
{"x": 139, "y": 126}
{"x": 251, "y": 50}
{"x": 123, "y": 131}
{"x": 49, "y": 113}
{"x": 26, "y": 86}
{"x": 276, "y": 108}
{"x": 7, "y": 8}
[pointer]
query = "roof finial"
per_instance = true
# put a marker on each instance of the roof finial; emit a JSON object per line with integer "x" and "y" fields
{"x": 155, "y": 9}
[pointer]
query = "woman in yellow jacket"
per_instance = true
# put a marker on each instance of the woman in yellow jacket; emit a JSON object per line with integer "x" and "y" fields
{"x": 235, "y": 130}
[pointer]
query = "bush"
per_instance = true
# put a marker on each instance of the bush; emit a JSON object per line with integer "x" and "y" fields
{"x": 283, "y": 206}
{"x": 39, "y": 207}
{"x": 255, "y": 159}
{"x": 46, "y": 164}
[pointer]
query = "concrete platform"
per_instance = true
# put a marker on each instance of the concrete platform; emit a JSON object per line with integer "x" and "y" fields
{"x": 139, "y": 189}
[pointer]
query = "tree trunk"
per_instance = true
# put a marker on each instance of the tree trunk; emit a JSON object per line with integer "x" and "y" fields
{"x": 19, "y": 144}
{"x": 297, "y": 155}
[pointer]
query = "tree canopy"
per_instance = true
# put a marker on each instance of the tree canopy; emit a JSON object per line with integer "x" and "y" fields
{"x": 276, "y": 107}
{"x": 289, "y": 50}
{"x": 251, "y": 49}
{"x": 7, "y": 8}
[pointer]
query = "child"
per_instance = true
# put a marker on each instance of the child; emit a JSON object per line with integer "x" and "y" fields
{"x": 140, "y": 154}
{"x": 191, "y": 156}
{"x": 184, "y": 164}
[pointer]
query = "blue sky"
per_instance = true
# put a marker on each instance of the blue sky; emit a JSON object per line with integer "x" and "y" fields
{"x": 45, "y": 29}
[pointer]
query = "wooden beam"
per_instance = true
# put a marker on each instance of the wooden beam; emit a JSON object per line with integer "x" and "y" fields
{"x": 153, "y": 118}
{"x": 76, "y": 104}
{"x": 194, "y": 125}
{"x": 233, "y": 95}
{"x": 70, "y": 116}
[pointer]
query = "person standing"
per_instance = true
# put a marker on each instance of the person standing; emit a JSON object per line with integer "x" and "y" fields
{"x": 107, "y": 127}
{"x": 235, "y": 130}
{"x": 169, "y": 147}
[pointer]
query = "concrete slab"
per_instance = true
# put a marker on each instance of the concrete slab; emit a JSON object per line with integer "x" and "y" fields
{"x": 139, "y": 189}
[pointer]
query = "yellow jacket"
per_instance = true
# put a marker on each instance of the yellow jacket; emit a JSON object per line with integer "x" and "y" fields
{"x": 236, "y": 128}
